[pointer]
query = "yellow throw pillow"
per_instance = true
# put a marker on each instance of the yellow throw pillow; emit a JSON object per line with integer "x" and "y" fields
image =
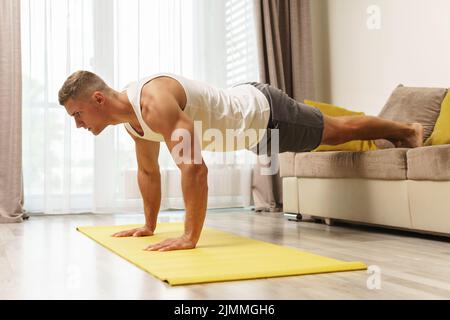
{"x": 335, "y": 111}
{"x": 441, "y": 132}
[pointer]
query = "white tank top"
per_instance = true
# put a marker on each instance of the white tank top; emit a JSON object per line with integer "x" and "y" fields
{"x": 239, "y": 108}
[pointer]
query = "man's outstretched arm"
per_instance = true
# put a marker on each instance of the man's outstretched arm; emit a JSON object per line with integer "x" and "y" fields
{"x": 166, "y": 117}
{"x": 149, "y": 181}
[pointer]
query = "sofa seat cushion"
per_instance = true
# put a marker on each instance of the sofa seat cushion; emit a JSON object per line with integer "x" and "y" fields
{"x": 389, "y": 164}
{"x": 429, "y": 163}
{"x": 287, "y": 167}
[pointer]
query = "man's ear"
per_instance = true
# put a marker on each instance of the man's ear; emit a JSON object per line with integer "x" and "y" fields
{"x": 99, "y": 97}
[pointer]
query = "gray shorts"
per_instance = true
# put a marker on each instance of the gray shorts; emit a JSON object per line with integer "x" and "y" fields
{"x": 300, "y": 127}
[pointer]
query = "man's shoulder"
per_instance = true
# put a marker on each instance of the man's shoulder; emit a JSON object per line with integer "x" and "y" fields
{"x": 159, "y": 105}
{"x": 151, "y": 92}
{"x": 159, "y": 90}
{"x": 158, "y": 86}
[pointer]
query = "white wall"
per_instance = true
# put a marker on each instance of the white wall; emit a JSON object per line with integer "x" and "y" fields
{"x": 358, "y": 68}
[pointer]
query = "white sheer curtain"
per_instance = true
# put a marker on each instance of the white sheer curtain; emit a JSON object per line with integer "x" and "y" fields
{"x": 68, "y": 170}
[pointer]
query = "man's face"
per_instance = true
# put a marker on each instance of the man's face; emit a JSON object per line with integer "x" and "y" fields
{"x": 89, "y": 113}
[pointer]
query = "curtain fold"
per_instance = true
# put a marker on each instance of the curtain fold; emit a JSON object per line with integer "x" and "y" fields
{"x": 11, "y": 186}
{"x": 285, "y": 46}
{"x": 285, "y": 61}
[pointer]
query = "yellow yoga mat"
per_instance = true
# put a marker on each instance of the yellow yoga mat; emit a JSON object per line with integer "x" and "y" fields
{"x": 219, "y": 256}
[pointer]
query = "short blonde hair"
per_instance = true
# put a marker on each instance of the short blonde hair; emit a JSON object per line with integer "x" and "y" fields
{"x": 79, "y": 85}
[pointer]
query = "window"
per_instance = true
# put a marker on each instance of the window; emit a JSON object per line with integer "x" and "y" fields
{"x": 68, "y": 170}
{"x": 240, "y": 38}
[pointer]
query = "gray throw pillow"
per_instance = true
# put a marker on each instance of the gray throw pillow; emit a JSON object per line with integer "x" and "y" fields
{"x": 408, "y": 104}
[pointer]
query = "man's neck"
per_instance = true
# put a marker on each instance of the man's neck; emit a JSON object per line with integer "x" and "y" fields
{"x": 123, "y": 110}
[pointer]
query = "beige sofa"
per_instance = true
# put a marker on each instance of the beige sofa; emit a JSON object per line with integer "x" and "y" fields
{"x": 393, "y": 187}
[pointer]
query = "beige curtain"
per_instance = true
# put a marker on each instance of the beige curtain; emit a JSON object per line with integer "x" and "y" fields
{"x": 11, "y": 188}
{"x": 285, "y": 57}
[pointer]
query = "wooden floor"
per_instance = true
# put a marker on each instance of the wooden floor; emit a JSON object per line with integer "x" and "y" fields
{"x": 46, "y": 258}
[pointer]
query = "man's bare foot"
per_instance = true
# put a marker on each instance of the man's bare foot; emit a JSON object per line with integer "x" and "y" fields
{"x": 414, "y": 140}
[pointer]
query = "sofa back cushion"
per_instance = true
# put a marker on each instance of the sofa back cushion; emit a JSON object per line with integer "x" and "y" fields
{"x": 408, "y": 104}
{"x": 441, "y": 132}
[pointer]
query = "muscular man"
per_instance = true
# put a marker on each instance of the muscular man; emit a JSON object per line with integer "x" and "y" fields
{"x": 167, "y": 107}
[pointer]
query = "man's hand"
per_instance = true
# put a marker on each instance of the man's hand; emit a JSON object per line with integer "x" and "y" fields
{"x": 181, "y": 243}
{"x": 137, "y": 232}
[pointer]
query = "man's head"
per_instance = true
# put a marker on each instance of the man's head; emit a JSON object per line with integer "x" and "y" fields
{"x": 84, "y": 95}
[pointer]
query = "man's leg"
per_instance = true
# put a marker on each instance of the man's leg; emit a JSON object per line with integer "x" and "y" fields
{"x": 339, "y": 130}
